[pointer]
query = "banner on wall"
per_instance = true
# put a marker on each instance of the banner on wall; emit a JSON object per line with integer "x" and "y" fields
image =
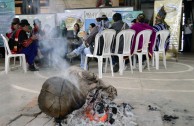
{"x": 90, "y": 14}
{"x": 128, "y": 16}
{"x": 173, "y": 9}
{"x": 7, "y": 12}
{"x": 46, "y": 19}
{"x": 86, "y": 16}
{"x": 69, "y": 18}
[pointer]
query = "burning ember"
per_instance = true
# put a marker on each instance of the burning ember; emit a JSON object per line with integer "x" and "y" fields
{"x": 100, "y": 110}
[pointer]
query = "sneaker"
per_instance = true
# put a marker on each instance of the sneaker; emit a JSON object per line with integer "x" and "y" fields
{"x": 71, "y": 55}
{"x": 32, "y": 68}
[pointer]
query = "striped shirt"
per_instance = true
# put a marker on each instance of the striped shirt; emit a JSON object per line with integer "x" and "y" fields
{"x": 159, "y": 27}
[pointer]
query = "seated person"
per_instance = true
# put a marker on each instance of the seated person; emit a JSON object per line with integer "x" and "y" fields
{"x": 37, "y": 31}
{"x": 87, "y": 47}
{"x": 118, "y": 26}
{"x": 27, "y": 45}
{"x": 73, "y": 40}
{"x": 139, "y": 26}
{"x": 160, "y": 24}
{"x": 46, "y": 45}
{"x": 102, "y": 21}
{"x": 14, "y": 26}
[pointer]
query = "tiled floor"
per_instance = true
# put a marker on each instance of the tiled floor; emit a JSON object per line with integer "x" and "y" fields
{"x": 171, "y": 90}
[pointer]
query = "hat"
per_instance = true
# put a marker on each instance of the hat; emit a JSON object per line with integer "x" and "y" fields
{"x": 16, "y": 21}
{"x": 160, "y": 17}
{"x": 36, "y": 21}
{"x": 104, "y": 16}
{"x": 161, "y": 14}
{"x": 100, "y": 15}
{"x": 24, "y": 22}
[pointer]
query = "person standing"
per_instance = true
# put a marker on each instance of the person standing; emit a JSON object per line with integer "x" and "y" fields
{"x": 188, "y": 28}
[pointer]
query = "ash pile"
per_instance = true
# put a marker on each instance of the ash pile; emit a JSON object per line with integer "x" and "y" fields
{"x": 100, "y": 110}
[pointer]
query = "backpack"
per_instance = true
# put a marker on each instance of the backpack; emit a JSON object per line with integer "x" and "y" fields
{"x": 13, "y": 41}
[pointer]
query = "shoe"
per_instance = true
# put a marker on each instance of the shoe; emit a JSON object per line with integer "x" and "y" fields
{"x": 145, "y": 66}
{"x": 125, "y": 67}
{"x": 116, "y": 68}
{"x": 32, "y": 68}
{"x": 71, "y": 55}
{"x": 90, "y": 59}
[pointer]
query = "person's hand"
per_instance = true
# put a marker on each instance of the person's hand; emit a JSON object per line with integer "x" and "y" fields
{"x": 84, "y": 34}
{"x": 34, "y": 37}
{"x": 86, "y": 44}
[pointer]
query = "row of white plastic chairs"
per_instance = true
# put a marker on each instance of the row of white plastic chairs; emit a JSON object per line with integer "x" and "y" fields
{"x": 128, "y": 35}
{"x": 109, "y": 35}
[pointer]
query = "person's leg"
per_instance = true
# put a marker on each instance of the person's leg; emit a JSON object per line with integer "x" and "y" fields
{"x": 76, "y": 51}
{"x": 83, "y": 56}
{"x": 30, "y": 53}
{"x": 79, "y": 50}
{"x": 186, "y": 43}
{"x": 189, "y": 42}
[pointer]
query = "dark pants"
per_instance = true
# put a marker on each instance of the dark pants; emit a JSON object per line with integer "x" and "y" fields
{"x": 187, "y": 42}
{"x": 30, "y": 52}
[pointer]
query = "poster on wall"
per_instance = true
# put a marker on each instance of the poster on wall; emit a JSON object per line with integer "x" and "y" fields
{"x": 7, "y": 12}
{"x": 173, "y": 9}
{"x": 89, "y": 15}
{"x": 128, "y": 16}
{"x": 69, "y": 18}
{"x": 46, "y": 19}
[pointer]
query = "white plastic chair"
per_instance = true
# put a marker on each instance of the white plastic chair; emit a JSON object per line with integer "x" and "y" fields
{"x": 161, "y": 48}
{"x": 108, "y": 36}
{"x": 146, "y": 34}
{"x": 9, "y": 55}
{"x": 128, "y": 36}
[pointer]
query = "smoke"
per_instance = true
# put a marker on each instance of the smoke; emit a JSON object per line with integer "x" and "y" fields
{"x": 53, "y": 48}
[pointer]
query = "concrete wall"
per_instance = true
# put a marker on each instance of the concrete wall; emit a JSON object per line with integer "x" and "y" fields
{"x": 58, "y": 6}
{"x": 148, "y": 9}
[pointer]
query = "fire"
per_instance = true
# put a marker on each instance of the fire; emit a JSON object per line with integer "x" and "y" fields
{"x": 94, "y": 116}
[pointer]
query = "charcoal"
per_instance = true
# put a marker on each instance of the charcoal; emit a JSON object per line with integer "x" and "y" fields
{"x": 111, "y": 121}
{"x": 152, "y": 108}
{"x": 114, "y": 110}
{"x": 169, "y": 118}
{"x": 99, "y": 108}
